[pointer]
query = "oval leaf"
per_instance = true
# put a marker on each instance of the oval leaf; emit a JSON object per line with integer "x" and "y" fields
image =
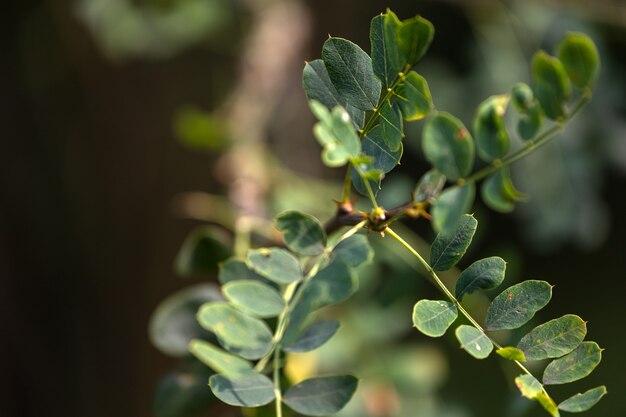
{"x": 275, "y": 264}
{"x": 550, "y": 84}
{"x": 251, "y": 390}
{"x": 383, "y": 158}
{"x": 303, "y": 233}
{"x": 391, "y": 127}
{"x": 554, "y": 338}
{"x": 238, "y": 333}
{"x": 475, "y": 342}
{"x": 429, "y": 187}
{"x": 511, "y": 353}
{"x": 574, "y": 366}
{"x": 350, "y": 70}
{"x": 484, "y": 274}
{"x": 321, "y": 396}
{"x": 522, "y": 97}
{"x": 414, "y": 37}
{"x": 583, "y": 402}
{"x": 313, "y": 336}
{"x": 448, "y": 146}
{"x": 234, "y": 269}
{"x": 414, "y": 97}
{"x": 580, "y": 59}
{"x": 516, "y": 305}
{"x": 254, "y": 297}
{"x": 499, "y": 193}
{"x": 354, "y": 251}
{"x": 532, "y": 389}
{"x": 434, "y": 317}
{"x": 387, "y": 59}
{"x": 218, "y": 360}
{"x": 451, "y": 205}
{"x": 492, "y": 139}
{"x": 449, "y": 247}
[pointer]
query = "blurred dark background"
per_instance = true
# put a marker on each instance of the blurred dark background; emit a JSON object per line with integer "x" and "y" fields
{"x": 91, "y": 165}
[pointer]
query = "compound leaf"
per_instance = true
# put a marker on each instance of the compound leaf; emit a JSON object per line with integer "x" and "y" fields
{"x": 313, "y": 336}
{"x": 580, "y": 59}
{"x": 448, "y": 145}
{"x": 475, "y": 342}
{"x": 218, "y": 360}
{"x": 451, "y": 205}
{"x": 250, "y": 390}
{"x": 275, "y": 264}
{"x": 554, "y": 338}
{"x": 492, "y": 139}
{"x": 550, "y": 84}
{"x": 574, "y": 366}
{"x": 303, "y": 233}
{"x": 484, "y": 274}
{"x": 433, "y": 317}
{"x": 254, "y": 298}
{"x": 449, "y": 247}
{"x": 518, "y": 304}
{"x": 583, "y": 402}
{"x": 321, "y": 396}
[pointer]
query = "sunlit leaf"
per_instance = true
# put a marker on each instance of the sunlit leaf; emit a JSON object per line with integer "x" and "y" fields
{"x": 218, "y": 360}
{"x": 573, "y": 366}
{"x": 413, "y": 97}
{"x": 451, "y": 205}
{"x": 554, "y": 338}
{"x": 303, "y": 233}
{"x": 251, "y": 390}
{"x": 449, "y": 247}
{"x": 473, "y": 341}
{"x": 448, "y": 145}
{"x": 321, "y": 396}
{"x": 550, "y": 84}
{"x": 201, "y": 252}
{"x": 580, "y": 59}
{"x": 275, "y": 264}
{"x": 516, "y": 305}
{"x": 492, "y": 139}
{"x": 254, "y": 297}
{"x": 532, "y": 389}
{"x": 313, "y": 336}
{"x": 484, "y": 274}
{"x": 433, "y": 317}
{"x": 336, "y": 133}
{"x": 583, "y": 402}
{"x": 511, "y": 353}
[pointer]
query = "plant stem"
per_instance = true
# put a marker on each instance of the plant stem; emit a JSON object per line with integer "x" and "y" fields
{"x": 367, "y": 185}
{"x": 277, "y": 391}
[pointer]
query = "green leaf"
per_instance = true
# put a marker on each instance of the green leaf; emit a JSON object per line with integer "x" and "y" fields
{"x": 550, "y": 84}
{"x": 433, "y": 317}
{"x": 448, "y": 145}
{"x": 414, "y": 97}
{"x": 532, "y": 389}
{"x": 522, "y": 97}
{"x": 484, "y": 274}
{"x": 492, "y": 139}
{"x": 373, "y": 176}
{"x": 321, "y": 396}
{"x": 252, "y": 390}
{"x": 350, "y": 70}
{"x": 318, "y": 87}
{"x": 201, "y": 252}
{"x": 554, "y": 338}
{"x": 387, "y": 60}
{"x": 583, "y": 402}
{"x": 518, "y": 304}
{"x": 183, "y": 392}
{"x": 429, "y": 187}
{"x": 511, "y": 353}
{"x": 218, "y": 360}
{"x": 303, "y": 233}
{"x": 499, "y": 193}
{"x": 580, "y": 59}
{"x": 200, "y": 130}
{"x": 383, "y": 158}
{"x": 333, "y": 284}
{"x": 234, "y": 269}
{"x": 254, "y": 298}
{"x": 451, "y": 205}
{"x": 313, "y": 336}
{"x": 449, "y": 247}
{"x": 529, "y": 125}
{"x": 574, "y": 366}
{"x": 391, "y": 128}
{"x": 414, "y": 37}
{"x": 275, "y": 264}
{"x": 475, "y": 342}
{"x": 353, "y": 251}
{"x": 238, "y": 333}
{"x": 337, "y": 135}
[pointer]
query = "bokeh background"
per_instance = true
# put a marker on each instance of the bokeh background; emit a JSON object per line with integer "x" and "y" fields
{"x": 114, "y": 111}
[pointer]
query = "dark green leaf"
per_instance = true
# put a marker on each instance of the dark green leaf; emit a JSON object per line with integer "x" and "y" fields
{"x": 529, "y": 125}
{"x": 550, "y": 84}
{"x": 254, "y": 298}
{"x": 350, "y": 70}
{"x": 449, "y": 247}
{"x": 321, "y": 396}
{"x": 414, "y": 37}
{"x": 522, "y": 97}
{"x": 414, "y": 97}
{"x": 484, "y": 274}
{"x": 318, "y": 87}
{"x": 234, "y": 269}
{"x": 475, "y": 342}
{"x": 451, "y": 205}
{"x": 448, "y": 145}
{"x": 251, "y": 390}
{"x": 353, "y": 251}
{"x": 303, "y": 233}
{"x": 511, "y": 353}
{"x": 583, "y": 402}
{"x": 433, "y": 317}
{"x": 238, "y": 333}
{"x": 383, "y": 158}
{"x": 218, "y": 360}
{"x": 183, "y": 393}
{"x": 580, "y": 59}
{"x": 499, "y": 193}
{"x": 429, "y": 187}
{"x": 275, "y": 264}
{"x": 391, "y": 128}
{"x": 490, "y": 132}
{"x": 554, "y": 338}
{"x": 313, "y": 336}
{"x": 201, "y": 252}
{"x": 386, "y": 57}
{"x": 518, "y": 304}
{"x": 574, "y": 366}
{"x": 374, "y": 177}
